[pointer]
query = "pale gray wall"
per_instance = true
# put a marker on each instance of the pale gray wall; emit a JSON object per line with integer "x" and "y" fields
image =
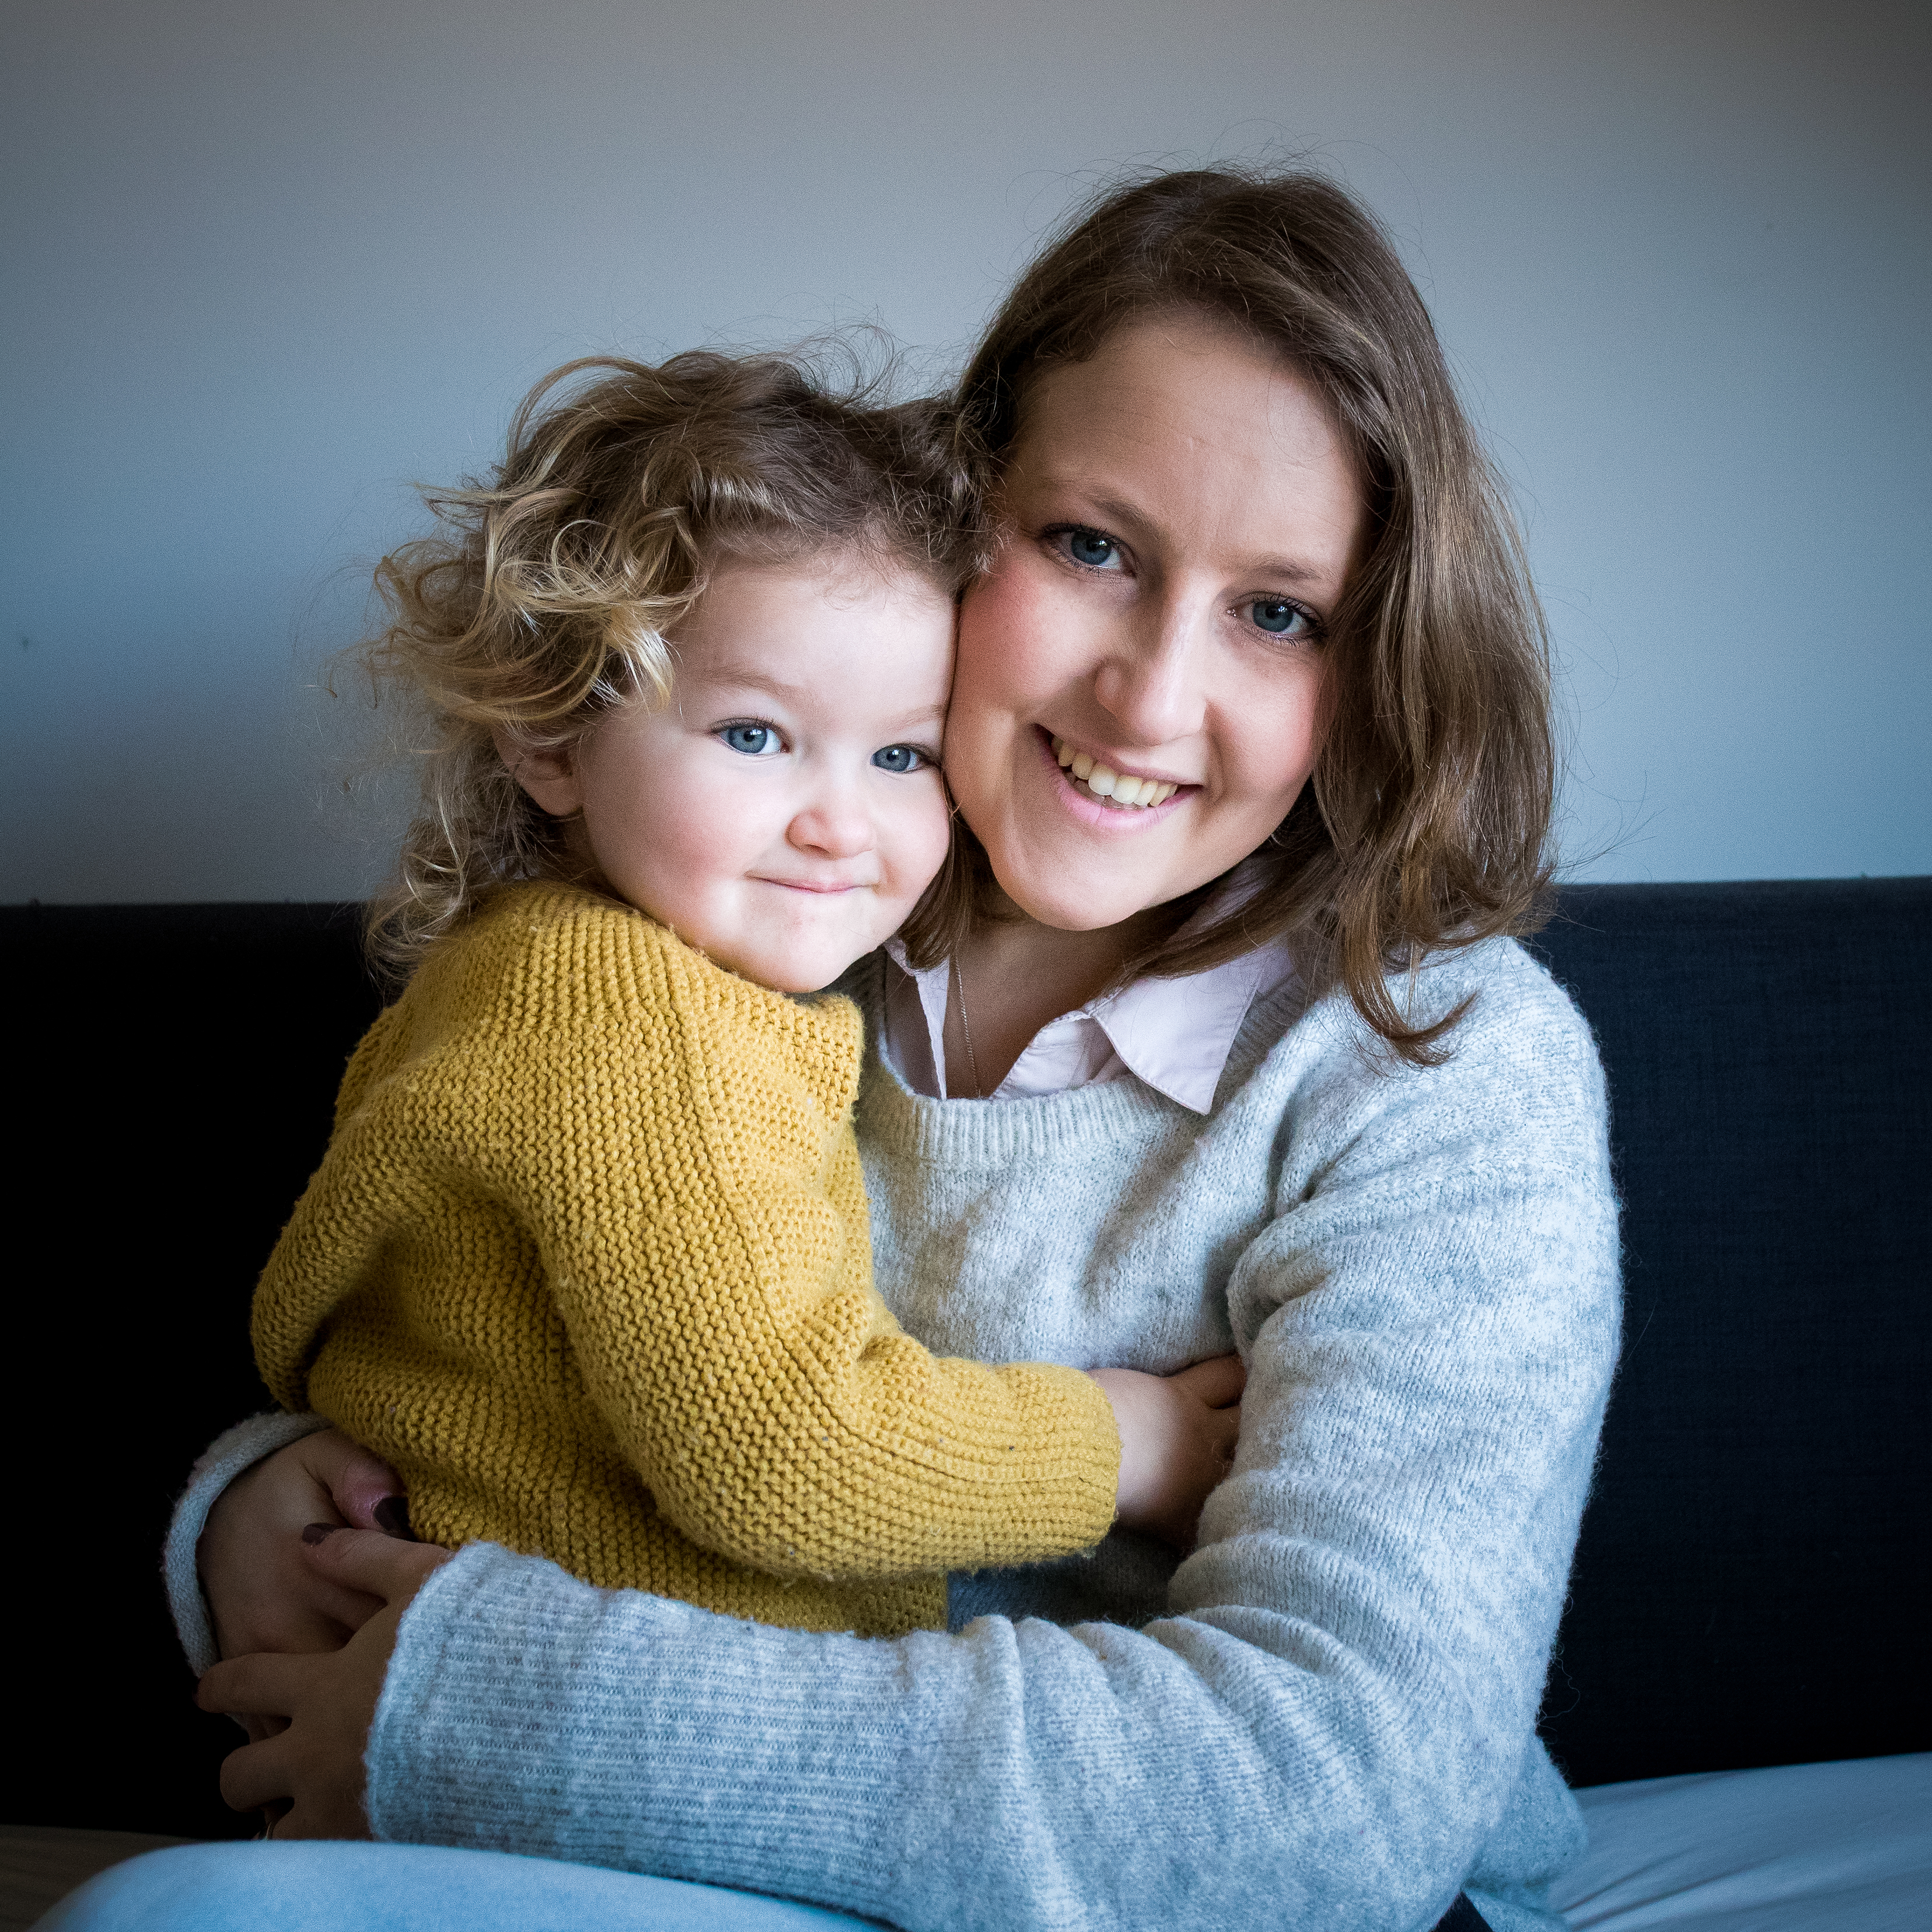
{"x": 265, "y": 263}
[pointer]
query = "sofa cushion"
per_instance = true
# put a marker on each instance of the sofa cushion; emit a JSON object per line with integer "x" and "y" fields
{"x": 1795, "y": 1848}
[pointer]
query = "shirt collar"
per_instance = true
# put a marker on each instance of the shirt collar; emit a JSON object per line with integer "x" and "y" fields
{"x": 1175, "y": 1035}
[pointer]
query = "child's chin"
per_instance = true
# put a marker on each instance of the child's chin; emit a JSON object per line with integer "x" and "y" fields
{"x": 803, "y": 969}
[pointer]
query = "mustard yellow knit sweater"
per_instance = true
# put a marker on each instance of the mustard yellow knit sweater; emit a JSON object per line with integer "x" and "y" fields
{"x": 588, "y": 1262}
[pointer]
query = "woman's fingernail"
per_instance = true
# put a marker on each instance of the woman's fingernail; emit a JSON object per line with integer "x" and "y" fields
{"x": 392, "y": 1518}
{"x": 314, "y": 1532}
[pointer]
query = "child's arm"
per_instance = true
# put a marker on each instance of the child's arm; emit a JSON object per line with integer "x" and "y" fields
{"x": 781, "y": 1417}
{"x": 711, "y": 1263}
{"x": 1178, "y": 1438}
{"x": 604, "y": 1163}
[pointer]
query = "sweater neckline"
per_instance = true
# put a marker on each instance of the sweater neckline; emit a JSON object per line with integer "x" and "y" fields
{"x": 1109, "y": 1116}
{"x": 809, "y": 1016}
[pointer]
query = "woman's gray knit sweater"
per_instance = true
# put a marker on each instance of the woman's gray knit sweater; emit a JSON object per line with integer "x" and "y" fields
{"x": 1325, "y": 1716}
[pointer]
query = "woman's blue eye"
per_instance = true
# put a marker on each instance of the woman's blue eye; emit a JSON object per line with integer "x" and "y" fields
{"x": 1276, "y": 616}
{"x": 755, "y": 741}
{"x": 900, "y": 758}
{"x": 1091, "y": 548}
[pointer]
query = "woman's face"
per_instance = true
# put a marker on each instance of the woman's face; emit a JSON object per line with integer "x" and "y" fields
{"x": 1183, "y": 517}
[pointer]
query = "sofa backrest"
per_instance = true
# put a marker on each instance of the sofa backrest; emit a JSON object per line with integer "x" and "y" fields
{"x": 1750, "y": 1583}
{"x": 175, "y": 1066}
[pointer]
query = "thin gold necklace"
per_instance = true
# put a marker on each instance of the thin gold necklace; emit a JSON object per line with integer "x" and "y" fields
{"x": 966, "y": 1032}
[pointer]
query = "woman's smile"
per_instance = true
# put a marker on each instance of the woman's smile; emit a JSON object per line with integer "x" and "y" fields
{"x": 1092, "y": 773}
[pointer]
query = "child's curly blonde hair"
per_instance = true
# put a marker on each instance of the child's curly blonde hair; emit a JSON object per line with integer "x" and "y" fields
{"x": 547, "y": 600}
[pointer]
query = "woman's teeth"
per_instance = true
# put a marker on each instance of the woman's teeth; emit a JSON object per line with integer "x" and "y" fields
{"x": 1103, "y": 781}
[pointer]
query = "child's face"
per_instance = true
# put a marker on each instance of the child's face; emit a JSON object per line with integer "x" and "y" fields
{"x": 784, "y": 812}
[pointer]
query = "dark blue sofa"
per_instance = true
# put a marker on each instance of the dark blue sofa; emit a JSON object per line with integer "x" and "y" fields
{"x": 1751, "y": 1585}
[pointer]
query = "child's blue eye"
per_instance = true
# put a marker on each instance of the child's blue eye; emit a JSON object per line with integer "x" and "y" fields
{"x": 900, "y": 758}
{"x": 755, "y": 741}
{"x": 1277, "y": 616}
{"x": 1091, "y": 548}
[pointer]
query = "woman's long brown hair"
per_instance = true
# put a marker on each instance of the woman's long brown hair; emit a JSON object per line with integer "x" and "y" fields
{"x": 1425, "y": 824}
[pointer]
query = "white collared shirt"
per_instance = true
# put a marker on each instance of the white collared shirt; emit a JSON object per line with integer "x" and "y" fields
{"x": 1173, "y": 1035}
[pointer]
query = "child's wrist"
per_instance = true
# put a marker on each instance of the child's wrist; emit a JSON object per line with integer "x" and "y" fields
{"x": 1119, "y": 1386}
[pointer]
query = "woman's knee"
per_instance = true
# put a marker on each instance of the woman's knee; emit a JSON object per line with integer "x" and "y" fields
{"x": 330, "y": 1886}
{"x": 206, "y": 1888}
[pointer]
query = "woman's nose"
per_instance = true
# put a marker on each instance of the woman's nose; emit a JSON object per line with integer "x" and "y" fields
{"x": 1150, "y": 685}
{"x": 834, "y": 827}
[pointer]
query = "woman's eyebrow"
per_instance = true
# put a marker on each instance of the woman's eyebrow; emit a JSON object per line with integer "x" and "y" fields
{"x": 1054, "y": 485}
{"x": 1287, "y": 569}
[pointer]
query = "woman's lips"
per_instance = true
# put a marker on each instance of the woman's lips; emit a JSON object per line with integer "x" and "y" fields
{"x": 1123, "y": 798}
{"x": 1103, "y": 781}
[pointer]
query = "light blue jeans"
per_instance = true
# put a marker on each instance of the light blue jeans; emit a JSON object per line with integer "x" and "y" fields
{"x": 327, "y": 1887}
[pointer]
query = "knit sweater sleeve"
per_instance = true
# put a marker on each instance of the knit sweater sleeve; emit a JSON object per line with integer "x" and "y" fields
{"x": 720, "y": 1301}
{"x": 1334, "y": 1726}
{"x": 675, "y": 1144}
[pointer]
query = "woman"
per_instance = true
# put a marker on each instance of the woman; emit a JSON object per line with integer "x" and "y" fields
{"x": 1263, "y": 1071}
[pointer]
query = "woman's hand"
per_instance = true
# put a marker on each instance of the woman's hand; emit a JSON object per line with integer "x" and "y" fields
{"x": 1177, "y": 1438}
{"x": 308, "y": 1777}
{"x": 262, "y": 1591}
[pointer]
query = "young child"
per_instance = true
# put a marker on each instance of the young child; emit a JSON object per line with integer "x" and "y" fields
{"x": 587, "y": 1260}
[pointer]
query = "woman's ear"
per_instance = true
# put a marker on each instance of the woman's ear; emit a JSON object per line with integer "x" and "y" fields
{"x": 548, "y": 774}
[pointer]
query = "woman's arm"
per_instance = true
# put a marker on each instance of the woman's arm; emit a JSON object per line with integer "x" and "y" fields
{"x": 1333, "y": 1724}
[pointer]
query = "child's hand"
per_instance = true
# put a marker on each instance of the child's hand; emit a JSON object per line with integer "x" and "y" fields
{"x": 262, "y": 1594}
{"x": 1178, "y": 1437}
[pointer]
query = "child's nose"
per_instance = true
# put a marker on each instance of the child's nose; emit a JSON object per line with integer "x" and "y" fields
{"x": 832, "y": 827}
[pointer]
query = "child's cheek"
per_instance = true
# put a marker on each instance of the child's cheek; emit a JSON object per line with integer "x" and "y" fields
{"x": 929, "y": 837}
{"x": 705, "y": 826}
{"x": 679, "y": 837}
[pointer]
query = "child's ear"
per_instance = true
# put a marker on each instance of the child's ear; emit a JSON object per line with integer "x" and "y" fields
{"x": 548, "y": 775}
